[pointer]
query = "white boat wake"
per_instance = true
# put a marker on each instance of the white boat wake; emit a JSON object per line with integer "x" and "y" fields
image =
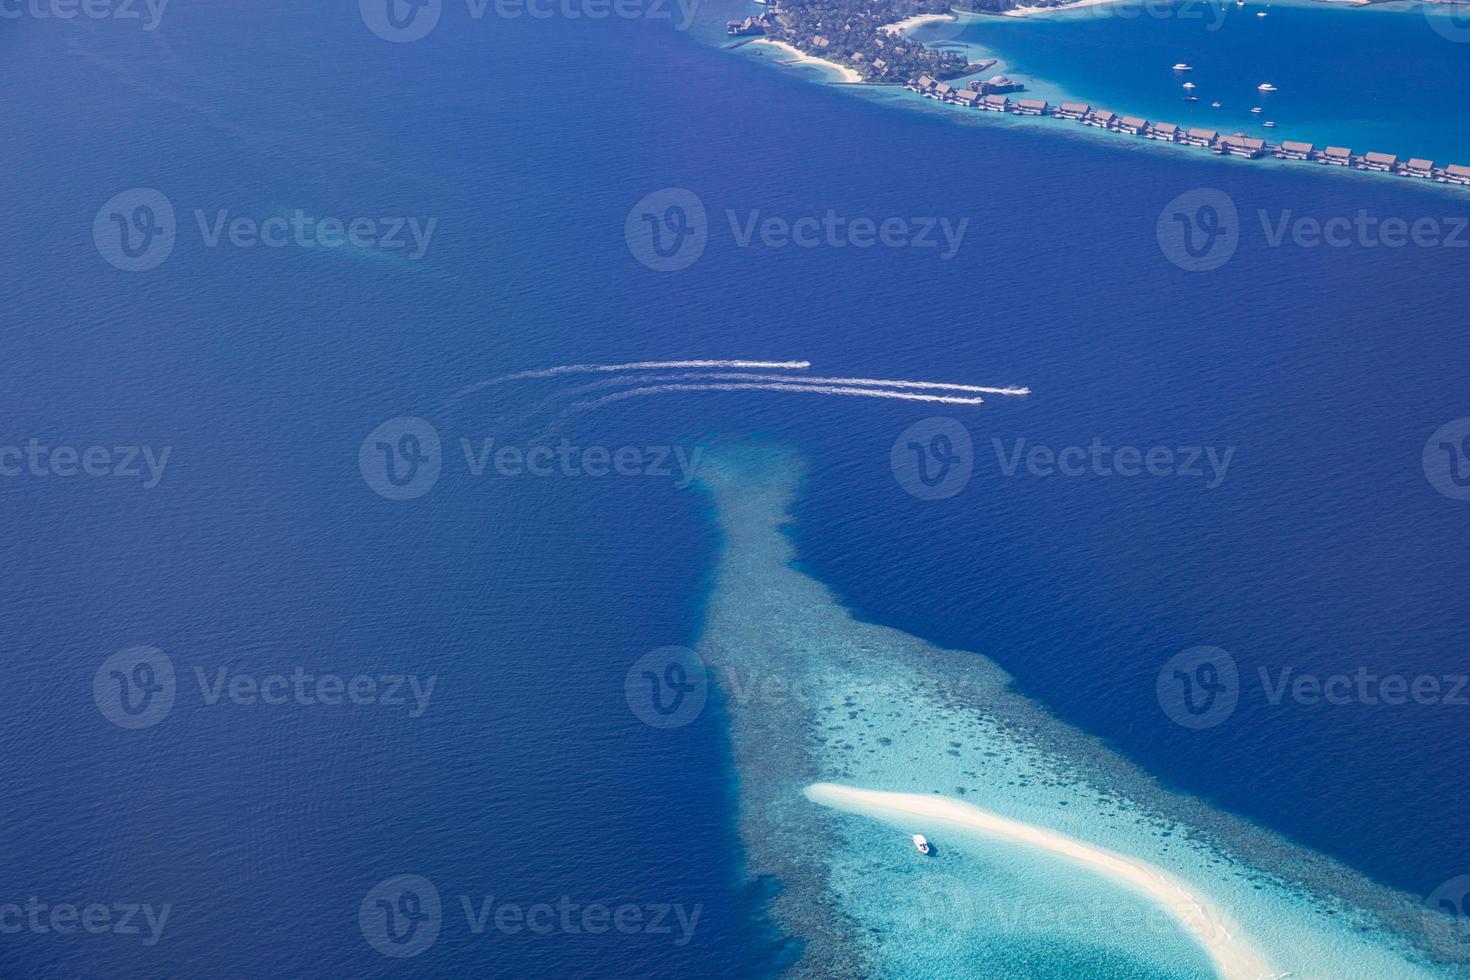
{"x": 584, "y": 406}
{"x": 564, "y": 369}
{"x": 712, "y": 375}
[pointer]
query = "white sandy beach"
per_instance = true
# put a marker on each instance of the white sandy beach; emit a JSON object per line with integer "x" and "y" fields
{"x": 918, "y": 20}
{"x": 1233, "y": 956}
{"x": 1024, "y": 11}
{"x": 800, "y": 57}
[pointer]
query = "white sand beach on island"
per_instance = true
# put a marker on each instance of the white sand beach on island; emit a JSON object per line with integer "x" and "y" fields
{"x": 1233, "y": 956}
{"x": 798, "y": 56}
{"x": 1024, "y": 11}
{"x": 918, "y": 20}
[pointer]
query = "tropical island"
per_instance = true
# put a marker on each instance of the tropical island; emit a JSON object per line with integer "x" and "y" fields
{"x": 865, "y": 37}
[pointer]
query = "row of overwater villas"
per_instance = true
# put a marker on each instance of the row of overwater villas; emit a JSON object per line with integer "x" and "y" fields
{"x": 1230, "y": 145}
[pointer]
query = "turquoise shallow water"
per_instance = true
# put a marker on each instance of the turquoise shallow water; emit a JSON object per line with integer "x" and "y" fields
{"x": 1390, "y": 77}
{"x": 816, "y": 695}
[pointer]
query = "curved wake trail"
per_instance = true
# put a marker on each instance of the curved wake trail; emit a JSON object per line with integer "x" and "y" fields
{"x": 584, "y": 406}
{"x": 564, "y": 369}
{"x": 805, "y": 379}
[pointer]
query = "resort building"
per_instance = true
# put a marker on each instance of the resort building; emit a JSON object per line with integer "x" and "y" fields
{"x": 997, "y": 103}
{"x": 999, "y": 85}
{"x": 1337, "y": 156}
{"x": 923, "y": 85}
{"x": 1241, "y": 146}
{"x": 1456, "y": 174}
{"x": 1101, "y": 118}
{"x": 1073, "y": 110}
{"x": 1033, "y": 107}
{"x": 1201, "y": 137}
{"x": 1168, "y": 132}
{"x": 1133, "y": 126}
{"x": 1381, "y": 162}
{"x": 943, "y": 92}
{"x": 1292, "y": 150}
{"x": 1418, "y": 167}
{"x": 971, "y": 99}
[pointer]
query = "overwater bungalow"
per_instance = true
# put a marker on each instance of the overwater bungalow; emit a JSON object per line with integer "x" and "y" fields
{"x": 996, "y": 103}
{"x": 1101, "y": 118}
{"x": 1241, "y": 146}
{"x": 1073, "y": 110}
{"x": 999, "y": 85}
{"x": 1133, "y": 125}
{"x": 1383, "y": 163}
{"x": 943, "y": 92}
{"x": 1337, "y": 156}
{"x": 923, "y": 85}
{"x": 1457, "y": 174}
{"x": 1033, "y": 107}
{"x": 970, "y": 99}
{"x": 1201, "y": 137}
{"x": 1418, "y": 167}
{"x": 1168, "y": 132}
{"x": 1292, "y": 150}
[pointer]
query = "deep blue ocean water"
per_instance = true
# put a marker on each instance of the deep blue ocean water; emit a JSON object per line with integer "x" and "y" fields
{"x": 528, "y": 779}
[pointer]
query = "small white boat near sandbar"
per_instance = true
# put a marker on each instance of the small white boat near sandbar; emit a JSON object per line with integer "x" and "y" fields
{"x": 921, "y": 844}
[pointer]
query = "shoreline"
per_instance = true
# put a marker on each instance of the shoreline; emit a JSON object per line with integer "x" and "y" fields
{"x": 800, "y": 57}
{"x": 1233, "y": 956}
{"x": 918, "y": 20}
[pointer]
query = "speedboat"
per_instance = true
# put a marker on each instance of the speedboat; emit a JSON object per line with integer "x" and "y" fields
{"x": 1261, "y": 14}
{"x": 1182, "y": 67}
{"x": 1266, "y": 87}
{"x": 1269, "y": 124}
{"x": 1257, "y": 110}
{"x": 1191, "y": 98}
{"x": 921, "y": 844}
{"x": 1189, "y": 84}
{"x": 1214, "y": 105}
